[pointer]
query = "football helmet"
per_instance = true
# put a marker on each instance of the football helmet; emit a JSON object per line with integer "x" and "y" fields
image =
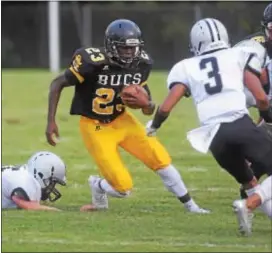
{"x": 208, "y": 35}
{"x": 123, "y": 41}
{"x": 267, "y": 28}
{"x": 48, "y": 169}
{"x": 267, "y": 22}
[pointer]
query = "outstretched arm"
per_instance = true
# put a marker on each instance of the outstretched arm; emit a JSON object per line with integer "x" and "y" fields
{"x": 54, "y": 95}
{"x": 176, "y": 93}
{"x": 31, "y": 205}
{"x": 53, "y": 99}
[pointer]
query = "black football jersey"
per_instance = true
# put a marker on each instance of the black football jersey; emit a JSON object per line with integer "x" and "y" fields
{"x": 98, "y": 83}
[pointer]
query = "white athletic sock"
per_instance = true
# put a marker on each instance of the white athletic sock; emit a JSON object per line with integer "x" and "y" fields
{"x": 253, "y": 190}
{"x": 173, "y": 182}
{"x": 106, "y": 187}
{"x": 264, "y": 191}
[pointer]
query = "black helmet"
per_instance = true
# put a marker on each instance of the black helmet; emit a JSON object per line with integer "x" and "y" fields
{"x": 123, "y": 41}
{"x": 267, "y": 22}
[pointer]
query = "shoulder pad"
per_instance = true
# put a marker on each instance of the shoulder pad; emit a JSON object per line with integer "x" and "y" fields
{"x": 258, "y": 37}
{"x": 252, "y": 46}
{"x": 145, "y": 58}
{"x": 92, "y": 55}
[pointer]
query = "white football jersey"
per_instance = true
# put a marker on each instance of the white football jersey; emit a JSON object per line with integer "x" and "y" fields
{"x": 256, "y": 48}
{"x": 215, "y": 82}
{"x": 14, "y": 178}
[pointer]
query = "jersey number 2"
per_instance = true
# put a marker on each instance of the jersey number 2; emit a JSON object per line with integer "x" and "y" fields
{"x": 214, "y": 73}
{"x": 105, "y": 96}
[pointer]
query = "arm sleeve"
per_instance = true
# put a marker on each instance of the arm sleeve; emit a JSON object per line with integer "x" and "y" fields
{"x": 253, "y": 65}
{"x": 145, "y": 78}
{"x": 178, "y": 75}
{"x": 24, "y": 187}
{"x": 148, "y": 91}
{"x": 146, "y": 74}
{"x": 20, "y": 193}
{"x": 251, "y": 60}
{"x": 79, "y": 69}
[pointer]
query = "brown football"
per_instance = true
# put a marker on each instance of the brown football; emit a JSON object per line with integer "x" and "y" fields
{"x": 132, "y": 91}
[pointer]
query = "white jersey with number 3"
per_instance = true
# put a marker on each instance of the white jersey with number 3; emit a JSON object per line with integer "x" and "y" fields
{"x": 215, "y": 81}
{"x": 14, "y": 178}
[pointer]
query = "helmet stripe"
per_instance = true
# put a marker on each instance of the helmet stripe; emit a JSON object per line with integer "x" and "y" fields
{"x": 210, "y": 29}
{"x": 216, "y": 28}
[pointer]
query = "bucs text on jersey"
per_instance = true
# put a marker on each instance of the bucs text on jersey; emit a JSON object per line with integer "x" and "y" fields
{"x": 98, "y": 83}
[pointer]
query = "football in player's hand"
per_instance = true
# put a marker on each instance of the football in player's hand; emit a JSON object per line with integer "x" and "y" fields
{"x": 134, "y": 96}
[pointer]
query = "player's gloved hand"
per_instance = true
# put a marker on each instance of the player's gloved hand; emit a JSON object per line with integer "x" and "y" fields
{"x": 51, "y": 131}
{"x": 150, "y": 131}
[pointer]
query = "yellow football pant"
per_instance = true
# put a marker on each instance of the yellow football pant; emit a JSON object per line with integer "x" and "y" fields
{"x": 102, "y": 141}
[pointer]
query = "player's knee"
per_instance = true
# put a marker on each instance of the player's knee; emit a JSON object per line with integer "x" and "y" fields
{"x": 124, "y": 194}
{"x": 160, "y": 162}
{"x": 161, "y": 165}
{"x": 124, "y": 186}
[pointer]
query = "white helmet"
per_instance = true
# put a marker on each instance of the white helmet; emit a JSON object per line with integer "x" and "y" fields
{"x": 256, "y": 48}
{"x": 48, "y": 169}
{"x": 207, "y": 35}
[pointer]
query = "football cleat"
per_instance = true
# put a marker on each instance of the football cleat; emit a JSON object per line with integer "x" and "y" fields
{"x": 99, "y": 197}
{"x": 244, "y": 216}
{"x": 199, "y": 210}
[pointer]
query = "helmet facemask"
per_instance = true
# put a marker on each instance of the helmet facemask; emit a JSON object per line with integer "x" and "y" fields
{"x": 267, "y": 28}
{"x": 124, "y": 52}
{"x": 49, "y": 191}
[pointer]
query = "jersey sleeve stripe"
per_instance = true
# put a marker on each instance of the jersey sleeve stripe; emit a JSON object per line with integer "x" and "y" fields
{"x": 252, "y": 70}
{"x": 143, "y": 83}
{"x": 20, "y": 193}
{"x": 79, "y": 77}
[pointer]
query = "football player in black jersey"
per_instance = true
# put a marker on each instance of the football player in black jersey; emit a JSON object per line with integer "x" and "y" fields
{"x": 98, "y": 75}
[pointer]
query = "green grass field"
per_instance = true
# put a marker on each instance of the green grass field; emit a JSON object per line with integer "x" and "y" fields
{"x": 151, "y": 219}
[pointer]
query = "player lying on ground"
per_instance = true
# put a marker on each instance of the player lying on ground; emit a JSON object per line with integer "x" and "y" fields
{"x": 26, "y": 185}
{"x": 98, "y": 76}
{"x": 215, "y": 78}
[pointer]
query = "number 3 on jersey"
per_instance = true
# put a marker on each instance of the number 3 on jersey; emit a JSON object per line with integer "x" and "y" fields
{"x": 214, "y": 74}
